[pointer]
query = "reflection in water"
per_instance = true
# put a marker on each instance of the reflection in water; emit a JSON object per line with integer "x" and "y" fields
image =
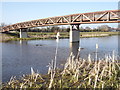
{"x": 118, "y": 45}
{"x": 74, "y": 48}
{"x": 17, "y": 59}
{"x": 23, "y": 42}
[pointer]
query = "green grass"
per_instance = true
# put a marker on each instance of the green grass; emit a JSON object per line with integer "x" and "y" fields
{"x": 112, "y": 33}
{"x": 51, "y": 35}
{"x": 82, "y": 34}
{"x": 66, "y": 33}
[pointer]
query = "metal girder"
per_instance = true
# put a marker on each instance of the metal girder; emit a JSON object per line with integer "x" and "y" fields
{"x": 111, "y": 16}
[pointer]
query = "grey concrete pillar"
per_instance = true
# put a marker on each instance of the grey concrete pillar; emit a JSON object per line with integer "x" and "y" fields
{"x": 74, "y": 39}
{"x": 74, "y": 33}
{"x": 23, "y": 33}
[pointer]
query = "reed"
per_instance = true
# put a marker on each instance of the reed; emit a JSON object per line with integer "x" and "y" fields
{"x": 77, "y": 73}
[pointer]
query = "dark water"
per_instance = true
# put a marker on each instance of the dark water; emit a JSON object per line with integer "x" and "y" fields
{"x": 18, "y": 57}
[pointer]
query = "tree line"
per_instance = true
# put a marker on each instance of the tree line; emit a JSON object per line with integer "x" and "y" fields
{"x": 102, "y": 28}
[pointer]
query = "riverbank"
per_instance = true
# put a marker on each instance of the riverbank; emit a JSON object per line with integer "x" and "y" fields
{"x": 77, "y": 73}
{"x": 50, "y": 35}
{"x": 66, "y": 34}
{"x": 97, "y": 34}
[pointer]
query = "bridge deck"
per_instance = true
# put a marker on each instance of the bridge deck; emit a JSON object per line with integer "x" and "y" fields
{"x": 111, "y": 16}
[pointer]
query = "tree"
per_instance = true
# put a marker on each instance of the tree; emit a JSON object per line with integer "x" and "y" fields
{"x": 68, "y": 29}
{"x": 81, "y": 29}
{"x": 104, "y": 28}
{"x": 87, "y": 29}
{"x": 2, "y": 25}
{"x": 55, "y": 29}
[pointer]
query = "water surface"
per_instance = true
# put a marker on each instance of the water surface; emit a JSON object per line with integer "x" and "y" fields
{"x": 18, "y": 57}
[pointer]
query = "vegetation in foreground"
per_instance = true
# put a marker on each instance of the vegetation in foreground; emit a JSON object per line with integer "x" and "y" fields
{"x": 77, "y": 73}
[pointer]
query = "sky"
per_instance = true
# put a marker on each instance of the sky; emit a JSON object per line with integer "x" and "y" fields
{"x": 14, "y": 12}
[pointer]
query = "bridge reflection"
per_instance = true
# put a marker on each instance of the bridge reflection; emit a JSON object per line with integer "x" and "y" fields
{"x": 23, "y": 42}
{"x": 74, "y": 48}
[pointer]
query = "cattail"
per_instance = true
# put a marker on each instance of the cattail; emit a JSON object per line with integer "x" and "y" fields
{"x": 89, "y": 58}
{"x": 32, "y": 71}
{"x": 89, "y": 82}
{"x": 113, "y": 57}
{"x": 96, "y": 46}
{"x": 96, "y": 50}
{"x": 57, "y": 37}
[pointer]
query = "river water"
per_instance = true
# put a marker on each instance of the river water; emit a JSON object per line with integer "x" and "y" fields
{"x": 19, "y": 56}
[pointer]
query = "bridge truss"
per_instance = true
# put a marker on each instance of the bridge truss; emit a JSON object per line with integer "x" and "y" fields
{"x": 111, "y": 16}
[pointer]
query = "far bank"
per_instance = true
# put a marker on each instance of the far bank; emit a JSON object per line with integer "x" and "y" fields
{"x": 51, "y": 35}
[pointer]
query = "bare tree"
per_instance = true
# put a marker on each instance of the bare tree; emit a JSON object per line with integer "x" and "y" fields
{"x": 2, "y": 25}
{"x": 104, "y": 28}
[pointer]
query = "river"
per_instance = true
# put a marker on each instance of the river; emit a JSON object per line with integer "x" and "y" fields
{"x": 19, "y": 56}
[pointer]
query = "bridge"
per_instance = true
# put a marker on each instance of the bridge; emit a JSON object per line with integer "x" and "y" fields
{"x": 74, "y": 20}
{"x": 111, "y": 16}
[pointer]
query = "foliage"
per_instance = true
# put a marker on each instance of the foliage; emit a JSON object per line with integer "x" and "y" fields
{"x": 2, "y": 25}
{"x": 102, "y": 28}
{"x": 105, "y": 28}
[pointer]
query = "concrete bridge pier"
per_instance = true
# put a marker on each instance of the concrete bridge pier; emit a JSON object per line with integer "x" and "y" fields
{"x": 74, "y": 39}
{"x": 23, "y": 33}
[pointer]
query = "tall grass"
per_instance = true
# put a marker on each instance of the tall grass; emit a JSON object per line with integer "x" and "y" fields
{"x": 77, "y": 73}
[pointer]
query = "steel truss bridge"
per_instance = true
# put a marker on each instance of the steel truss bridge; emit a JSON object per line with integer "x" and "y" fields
{"x": 110, "y": 16}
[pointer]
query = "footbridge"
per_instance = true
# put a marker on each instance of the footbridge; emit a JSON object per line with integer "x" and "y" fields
{"x": 110, "y": 16}
{"x": 74, "y": 20}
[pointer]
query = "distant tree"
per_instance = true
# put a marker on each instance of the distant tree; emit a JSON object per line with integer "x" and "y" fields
{"x": 87, "y": 29}
{"x": 35, "y": 29}
{"x": 63, "y": 29}
{"x": 104, "y": 28}
{"x": 2, "y": 25}
{"x": 68, "y": 29}
{"x": 55, "y": 29}
{"x": 81, "y": 29}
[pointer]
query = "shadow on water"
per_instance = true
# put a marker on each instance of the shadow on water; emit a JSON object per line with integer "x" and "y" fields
{"x": 74, "y": 48}
{"x": 23, "y": 42}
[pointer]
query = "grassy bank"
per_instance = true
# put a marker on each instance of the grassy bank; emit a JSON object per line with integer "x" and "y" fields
{"x": 111, "y": 33}
{"x": 7, "y": 37}
{"x": 82, "y": 34}
{"x": 77, "y": 73}
{"x": 97, "y": 34}
{"x": 51, "y": 35}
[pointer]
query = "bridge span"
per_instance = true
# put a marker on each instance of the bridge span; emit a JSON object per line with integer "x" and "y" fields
{"x": 110, "y": 16}
{"x": 74, "y": 20}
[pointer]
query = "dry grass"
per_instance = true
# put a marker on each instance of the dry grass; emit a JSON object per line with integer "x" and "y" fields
{"x": 77, "y": 73}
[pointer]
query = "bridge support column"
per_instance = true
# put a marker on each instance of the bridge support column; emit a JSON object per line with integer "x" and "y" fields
{"x": 74, "y": 39}
{"x": 23, "y": 33}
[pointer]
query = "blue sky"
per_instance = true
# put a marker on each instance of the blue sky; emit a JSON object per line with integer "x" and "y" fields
{"x": 14, "y": 12}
